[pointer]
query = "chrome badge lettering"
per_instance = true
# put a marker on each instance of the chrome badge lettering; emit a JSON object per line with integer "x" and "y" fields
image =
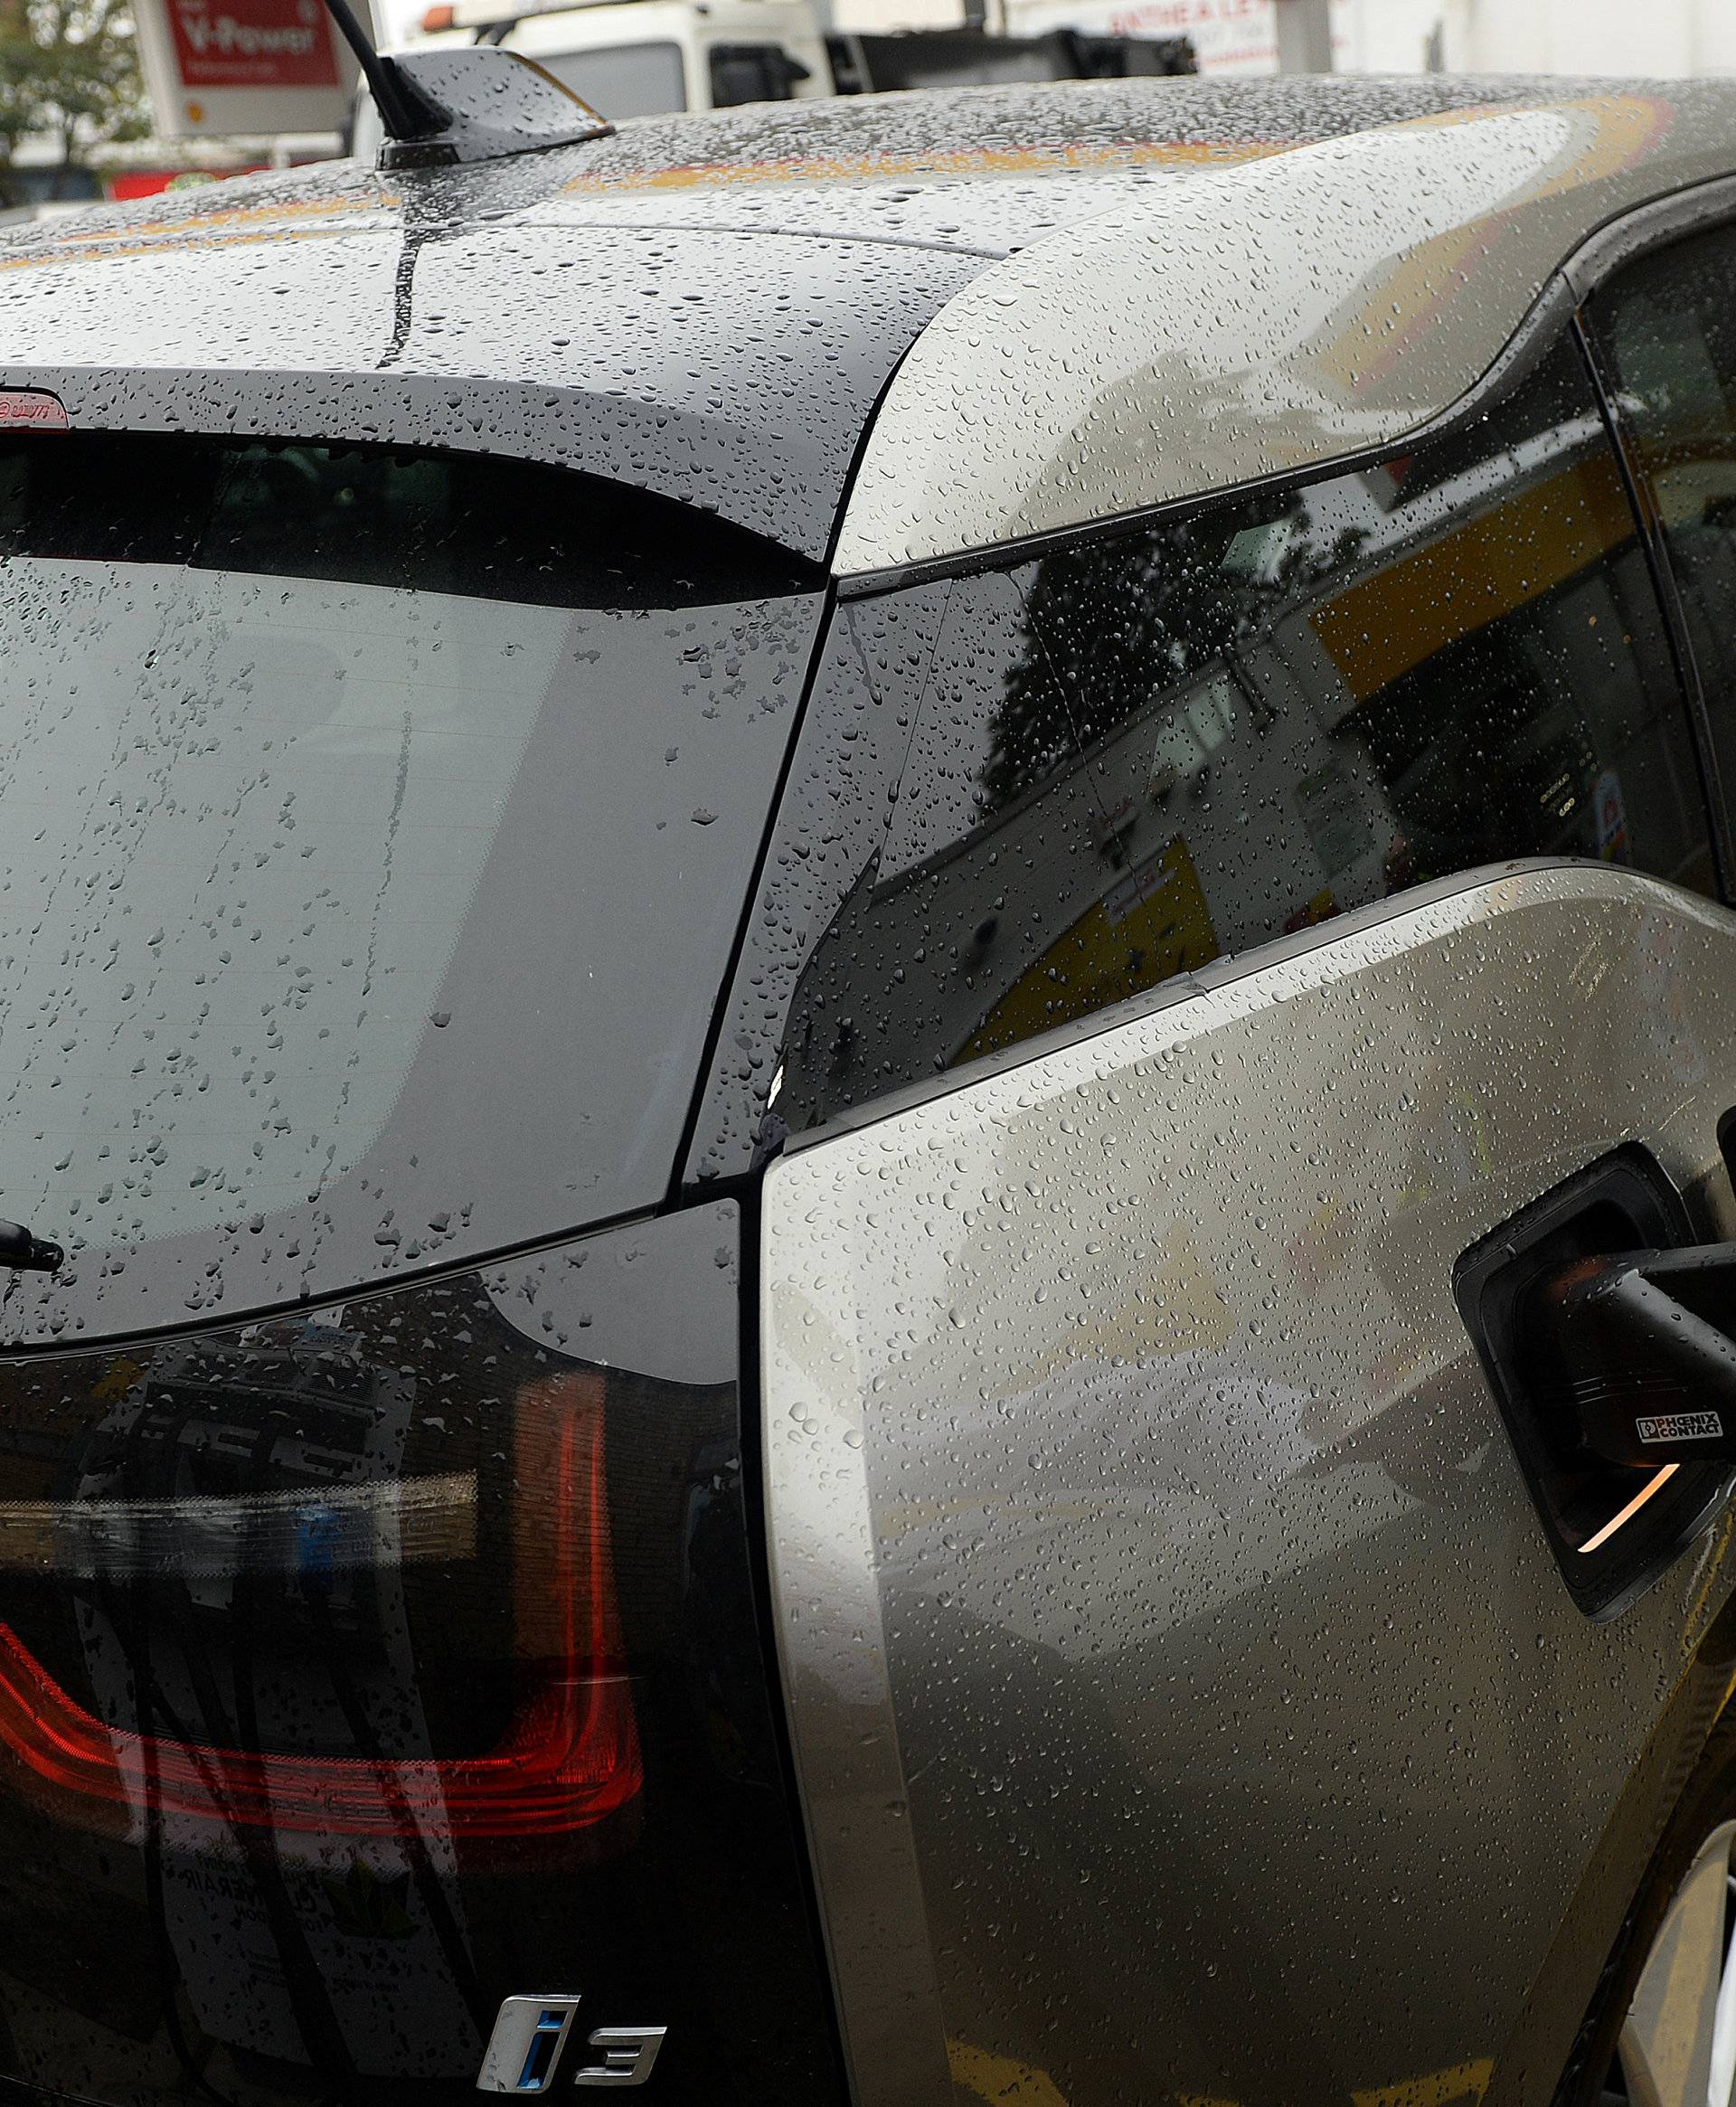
{"x": 526, "y": 2043}
{"x": 627, "y": 2055}
{"x": 530, "y": 2034}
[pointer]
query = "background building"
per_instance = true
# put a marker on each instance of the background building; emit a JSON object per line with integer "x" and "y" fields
{"x": 1545, "y": 36}
{"x": 74, "y": 123}
{"x": 1384, "y": 36}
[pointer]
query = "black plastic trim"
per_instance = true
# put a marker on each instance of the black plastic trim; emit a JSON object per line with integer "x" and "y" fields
{"x": 1184, "y": 988}
{"x": 751, "y": 1402}
{"x": 685, "y": 1186}
{"x": 1669, "y": 603}
{"x": 1623, "y": 1200}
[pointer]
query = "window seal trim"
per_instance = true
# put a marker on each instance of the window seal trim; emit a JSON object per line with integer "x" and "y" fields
{"x": 1619, "y": 241}
{"x": 1666, "y": 592}
{"x": 1218, "y": 973}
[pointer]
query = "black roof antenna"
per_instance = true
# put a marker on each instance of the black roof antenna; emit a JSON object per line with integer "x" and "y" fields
{"x": 459, "y": 104}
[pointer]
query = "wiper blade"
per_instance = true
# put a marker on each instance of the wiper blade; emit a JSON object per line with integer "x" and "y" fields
{"x": 24, "y": 1252}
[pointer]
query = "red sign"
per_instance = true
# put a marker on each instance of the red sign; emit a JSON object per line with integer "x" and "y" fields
{"x": 253, "y": 44}
{"x": 133, "y": 183}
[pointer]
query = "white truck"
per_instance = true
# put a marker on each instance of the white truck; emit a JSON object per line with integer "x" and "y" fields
{"x": 647, "y": 58}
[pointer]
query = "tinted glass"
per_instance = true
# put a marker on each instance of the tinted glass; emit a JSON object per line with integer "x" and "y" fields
{"x": 1137, "y": 755}
{"x": 622, "y": 80}
{"x": 752, "y": 73}
{"x": 374, "y": 829}
{"x": 1667, "y": 327}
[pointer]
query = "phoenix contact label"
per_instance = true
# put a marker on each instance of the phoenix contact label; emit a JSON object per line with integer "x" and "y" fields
{"x": 1681, "y": 1426}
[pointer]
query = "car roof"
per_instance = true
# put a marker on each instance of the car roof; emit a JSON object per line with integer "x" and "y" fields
{"x": 732, "y": 309}
{"x": 1260, "y": 320}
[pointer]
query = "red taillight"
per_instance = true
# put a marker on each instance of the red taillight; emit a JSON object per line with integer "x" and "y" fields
{"x": 32, "y": 410}
{"x": 570, "y": 1758}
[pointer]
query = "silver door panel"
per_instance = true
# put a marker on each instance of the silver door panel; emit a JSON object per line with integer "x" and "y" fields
{"x": 1184, "y": 1698}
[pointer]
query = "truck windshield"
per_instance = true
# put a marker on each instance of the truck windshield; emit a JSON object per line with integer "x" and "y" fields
{"x": 373, "y": 827}
{"x": 622, "y": 80}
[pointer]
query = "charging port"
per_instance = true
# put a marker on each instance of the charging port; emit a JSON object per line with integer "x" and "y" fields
{"x": 1613, "y": 1527}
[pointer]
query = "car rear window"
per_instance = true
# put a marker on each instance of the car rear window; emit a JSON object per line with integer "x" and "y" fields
{"x": 372, "y": 832}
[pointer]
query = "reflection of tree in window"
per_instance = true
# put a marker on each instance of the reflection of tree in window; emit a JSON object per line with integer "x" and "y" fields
{"x": 1116, "y": 625}
{"x": 1106, "y": 623}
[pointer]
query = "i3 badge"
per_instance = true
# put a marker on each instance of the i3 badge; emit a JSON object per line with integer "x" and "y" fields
{"x": 530, "y": 2033}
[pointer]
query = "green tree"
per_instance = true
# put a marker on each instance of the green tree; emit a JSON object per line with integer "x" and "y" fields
{"x": 69, "y": 71}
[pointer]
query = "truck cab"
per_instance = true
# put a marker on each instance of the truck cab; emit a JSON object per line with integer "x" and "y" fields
{"x": 652, "y": 58}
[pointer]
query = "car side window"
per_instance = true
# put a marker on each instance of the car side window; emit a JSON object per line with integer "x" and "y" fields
{"x": 1143, "y": 752}
{"x": 753, "y": 73}
{"x": 1667, "y": 327}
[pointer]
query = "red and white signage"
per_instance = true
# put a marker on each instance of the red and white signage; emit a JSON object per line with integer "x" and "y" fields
{"x": 228, "y": 67}
{"x": 253, "y": 44}
{"x": 1230, "y": 36}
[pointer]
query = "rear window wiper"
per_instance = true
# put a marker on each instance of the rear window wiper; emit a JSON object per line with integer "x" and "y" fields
{"x": 24, "y": 1252}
